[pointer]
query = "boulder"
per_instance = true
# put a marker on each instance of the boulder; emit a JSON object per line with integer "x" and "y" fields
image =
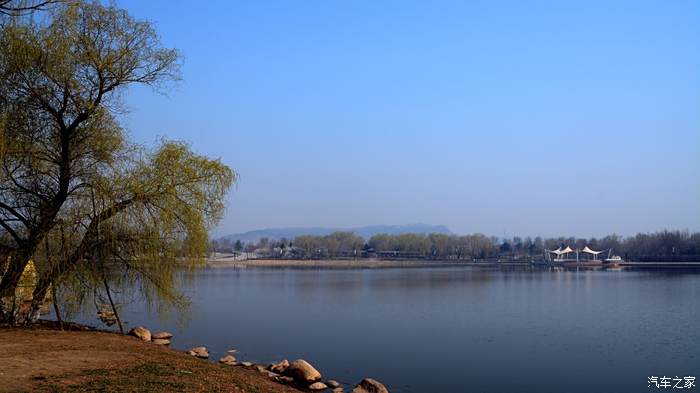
{"x": 261, "y": 369}
{"x": 228, "y": 359}
{"x": 369, "y": 385}
{"x": 337, "y": 390}
{"x": 107, "y": 317}
{"x": 333, "y": 383}
{"x": 200, "y": 352}
{"x": 160, "y": 341}
{"x": 302, "y": 371}
{"x": 162, "y": 336}
{"x": 232, "y": 351}
{"x": 318, "y": 386}
{"x": 246, "y": 364}
{"x": 280, "y": 367}
{"x": 141, "y": 332}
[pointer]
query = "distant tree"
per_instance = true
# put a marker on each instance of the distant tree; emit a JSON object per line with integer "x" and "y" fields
{"x": 238, "y": 246}
{"x": 538, "y": 246}
{"x": 505, "y": 247}
{"x": 249, "y": 247}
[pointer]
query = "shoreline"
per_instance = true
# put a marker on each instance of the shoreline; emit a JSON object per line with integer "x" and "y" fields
{"x": 364, "y": 263}
{"x": 43, "y": 358}
{"x": 146, "y": 363}
{"x": 332, "y": 263}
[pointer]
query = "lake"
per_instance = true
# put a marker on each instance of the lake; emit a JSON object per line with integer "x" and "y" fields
{"x": 449, "y": 329}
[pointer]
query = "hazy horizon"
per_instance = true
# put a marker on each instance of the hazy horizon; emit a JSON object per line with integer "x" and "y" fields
{"x": 576, "y": 118}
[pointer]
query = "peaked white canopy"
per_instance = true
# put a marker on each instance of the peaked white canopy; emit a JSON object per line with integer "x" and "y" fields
{"x": 589, "y": 251}
{"x": 559, "y": 251}
{"x": 556, "y": 252}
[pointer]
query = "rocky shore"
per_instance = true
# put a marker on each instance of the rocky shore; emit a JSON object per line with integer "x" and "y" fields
{"x": 298, "y": 374}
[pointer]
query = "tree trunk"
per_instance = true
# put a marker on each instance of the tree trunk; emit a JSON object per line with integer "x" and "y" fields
{"x": 8, "y": 287}
{"x": 42, "y": 287}
{"x": 111, "y": 303}
{"x": 55, "y": 306}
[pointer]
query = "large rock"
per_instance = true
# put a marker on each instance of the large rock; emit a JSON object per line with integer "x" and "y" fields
{"x": 318, "y": 386}
{"x": 160, "y": 341}
{"x": 200, "y": 352}
{"x": 369, "y": 385}
{"x": 141, "y": 332}
{"x": 302, "y": 371}
{"x": 332, "y": 383}
{"x": 228, "y": 359}
{"x": 162, "y": 336}
{"x": 280, "y": 367}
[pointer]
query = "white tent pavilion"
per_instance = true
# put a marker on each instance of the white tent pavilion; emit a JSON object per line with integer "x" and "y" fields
{"x": 560, "y": 254}
{"x": 594, "y": 253}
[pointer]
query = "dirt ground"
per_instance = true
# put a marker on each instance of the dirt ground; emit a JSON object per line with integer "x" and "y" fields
{"x": 48, "y": 360}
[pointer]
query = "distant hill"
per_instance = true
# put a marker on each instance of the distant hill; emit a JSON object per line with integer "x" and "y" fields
{"x": 365, "y": 232}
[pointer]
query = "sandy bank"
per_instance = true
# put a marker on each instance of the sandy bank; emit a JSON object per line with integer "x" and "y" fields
{"x": 46, "y": 360}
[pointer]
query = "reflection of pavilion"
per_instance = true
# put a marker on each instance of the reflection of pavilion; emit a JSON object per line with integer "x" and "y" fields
{"x": 564, "y": 255}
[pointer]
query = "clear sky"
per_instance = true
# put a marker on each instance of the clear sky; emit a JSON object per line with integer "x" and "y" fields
{"x": 502, "y": 117}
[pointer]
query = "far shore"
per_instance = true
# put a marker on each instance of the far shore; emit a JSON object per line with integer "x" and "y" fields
{"x": 365, "y": 263}
{"x": 360, "y": 263}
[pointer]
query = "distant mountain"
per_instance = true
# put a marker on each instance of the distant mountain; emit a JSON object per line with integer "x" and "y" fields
{"x": 365, "y": 232}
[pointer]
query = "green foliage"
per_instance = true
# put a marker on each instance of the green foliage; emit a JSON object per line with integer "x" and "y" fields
{"x": 91, "y": 208}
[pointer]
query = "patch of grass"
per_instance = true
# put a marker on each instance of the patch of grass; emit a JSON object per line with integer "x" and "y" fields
{"x": 145, "y": 377}
{"x": 153, "y": 368}
{"x": 97, "y": 371}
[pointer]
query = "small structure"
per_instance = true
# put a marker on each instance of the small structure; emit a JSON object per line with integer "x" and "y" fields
{"x": 591, "y": 252}
{"x": 560, "y": 255}
{"x": 564, "y": 255}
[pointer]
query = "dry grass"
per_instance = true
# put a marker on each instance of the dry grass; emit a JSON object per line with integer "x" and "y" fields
{"x": 46, "y": 360}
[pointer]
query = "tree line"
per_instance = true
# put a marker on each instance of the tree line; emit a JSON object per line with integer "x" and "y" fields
{"x": 659, "y": 246}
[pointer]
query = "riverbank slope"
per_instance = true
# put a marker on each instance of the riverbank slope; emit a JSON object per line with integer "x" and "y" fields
{"x": 48, "y": 360}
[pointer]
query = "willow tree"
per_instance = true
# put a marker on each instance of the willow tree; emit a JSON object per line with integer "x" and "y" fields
{"x": 24, "y": 7}
{"x": 137, "y": 223}
{"x": 67, "y": 165}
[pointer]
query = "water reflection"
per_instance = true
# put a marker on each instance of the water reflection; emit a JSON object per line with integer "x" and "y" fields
{"x": 452, "y": 329}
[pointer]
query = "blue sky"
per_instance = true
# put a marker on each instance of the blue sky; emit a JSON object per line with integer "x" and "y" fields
{"x": 502, "y": 117}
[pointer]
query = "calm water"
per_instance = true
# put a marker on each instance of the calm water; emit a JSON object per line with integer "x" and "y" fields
{"x": 451, "y": 329}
